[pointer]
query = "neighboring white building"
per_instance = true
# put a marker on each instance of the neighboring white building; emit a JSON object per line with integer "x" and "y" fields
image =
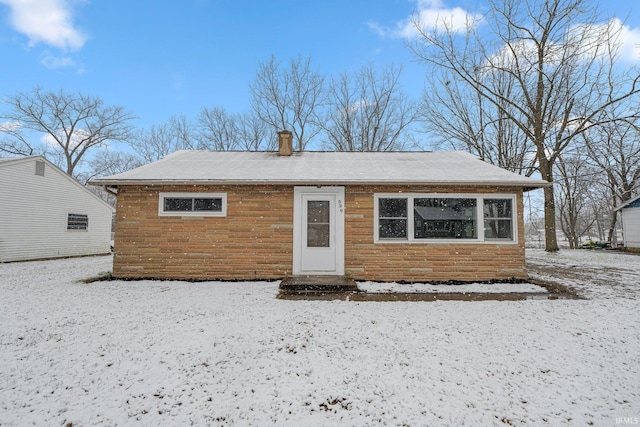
{"x": 44, "y": 213}
{"x": 631, "y": 223}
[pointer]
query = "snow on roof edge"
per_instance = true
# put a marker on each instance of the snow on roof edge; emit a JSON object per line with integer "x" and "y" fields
{"x": 627, "y": 203}
{"x": 527, "y": 186}
{"x": 330, "y": 168}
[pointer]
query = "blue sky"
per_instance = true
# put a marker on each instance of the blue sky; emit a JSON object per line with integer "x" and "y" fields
{"x": 167, "y": 57}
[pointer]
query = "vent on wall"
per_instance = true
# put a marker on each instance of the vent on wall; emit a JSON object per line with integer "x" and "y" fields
{"x": 40, "y": 167}
{"x": 77, "y": 221}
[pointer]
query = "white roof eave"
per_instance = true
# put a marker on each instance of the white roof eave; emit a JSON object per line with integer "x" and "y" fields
{"x": 627, "y": 203}
{"x": 480, "y": 183}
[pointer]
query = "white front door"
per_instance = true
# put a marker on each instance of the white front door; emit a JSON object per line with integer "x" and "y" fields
{"x": 318, "y": 230}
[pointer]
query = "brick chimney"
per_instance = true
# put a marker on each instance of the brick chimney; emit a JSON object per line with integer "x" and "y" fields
{"x": 285, "y": 143}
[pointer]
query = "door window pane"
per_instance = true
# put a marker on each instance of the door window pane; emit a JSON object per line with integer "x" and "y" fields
{"x": 318, "y": 223}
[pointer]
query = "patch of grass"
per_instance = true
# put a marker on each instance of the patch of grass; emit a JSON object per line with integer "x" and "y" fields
{"x": 102, "y": 276}
{"x": 563, "y": 291}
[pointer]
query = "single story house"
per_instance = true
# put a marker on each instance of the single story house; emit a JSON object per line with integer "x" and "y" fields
{"x": 47, "y": 214}
{"x": 631, "y": 223}
{"x": 413, "y": 216}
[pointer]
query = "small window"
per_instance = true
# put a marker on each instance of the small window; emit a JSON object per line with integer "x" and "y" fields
{"x": 392, "y": 218}
{"x": 77, "y": 221}
{"x": 192, "y": 204}
{"x": 498, "y": 219}
{"x": 40, "y": 167}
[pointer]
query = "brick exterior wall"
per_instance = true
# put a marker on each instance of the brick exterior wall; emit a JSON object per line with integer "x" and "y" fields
{"x": 255, "y": 239}
{"x": 415, "y": 262}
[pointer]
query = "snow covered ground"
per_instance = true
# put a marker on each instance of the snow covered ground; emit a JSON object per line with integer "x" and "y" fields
{"x": 593, "y": 273}
{"x": 413, "y": 288}
{"x": 173, "y": 353}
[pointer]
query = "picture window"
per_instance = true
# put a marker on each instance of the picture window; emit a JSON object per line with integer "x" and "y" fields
{"x": 416, "y": 218}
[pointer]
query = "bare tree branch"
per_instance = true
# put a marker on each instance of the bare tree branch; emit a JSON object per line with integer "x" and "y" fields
{"x": 289, "y": 98}
{"x": 72, "y": 124}
{"x": 161, "y": 140}
{"x": 560, "y": 61}
{"x": 367, "y": 111}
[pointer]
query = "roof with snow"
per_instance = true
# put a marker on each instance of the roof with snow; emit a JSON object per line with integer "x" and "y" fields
{"x": 13, "y": 160}
{"x": 632, "y": 203}
{"x": 9, "y": 159}
{"x": 321, "y": 168}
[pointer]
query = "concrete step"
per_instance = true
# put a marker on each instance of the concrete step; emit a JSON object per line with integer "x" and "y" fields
{"x": 318, "y": 284}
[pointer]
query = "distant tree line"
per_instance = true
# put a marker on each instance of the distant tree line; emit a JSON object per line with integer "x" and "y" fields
{"x": 537, "y": 89}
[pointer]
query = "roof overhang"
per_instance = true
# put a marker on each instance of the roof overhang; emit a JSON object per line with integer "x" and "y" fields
{"x": 627, "y": 203}
{"x": 326, "y": 182}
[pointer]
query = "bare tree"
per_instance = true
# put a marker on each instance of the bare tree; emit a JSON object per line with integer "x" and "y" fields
{"x": 464, "y": 120}
{"x": 14, "y": 141}
{"x": 254, "y": 134}
{"x": 560, "y": 59}
{"x": 603, "y": 203}
{"x": 289, "y": 98}
{"x": 107, "y": 162}
{"x": 161, "y": 140}
{"x": 183, "y": 131}
{"x": 614, "y": 149}
{"x": 217, "y": 130}
{"x": 367, "y": 111}
{"x": 72, "y": 125}
{"x": 573, "y": 197}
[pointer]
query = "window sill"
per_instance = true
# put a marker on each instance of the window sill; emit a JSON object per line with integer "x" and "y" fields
{"x": 446, "y": 242}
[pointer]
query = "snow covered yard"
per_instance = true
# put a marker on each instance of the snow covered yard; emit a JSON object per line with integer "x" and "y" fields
{"x": 593, "y": 273}
{"x": 175, "y": 353}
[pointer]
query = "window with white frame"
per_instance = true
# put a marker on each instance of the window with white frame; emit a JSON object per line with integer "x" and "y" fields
{"x": 439, "y": 218}
{"x": 192, "y": 204}
{"x": 392, "y": 218}
{"x": 498, "y": 219}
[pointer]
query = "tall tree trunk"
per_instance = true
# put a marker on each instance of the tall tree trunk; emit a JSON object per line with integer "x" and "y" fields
{"x": 599, "y": 225}
{"x": 612, "y": 228}
{"x": 551, "y": 241}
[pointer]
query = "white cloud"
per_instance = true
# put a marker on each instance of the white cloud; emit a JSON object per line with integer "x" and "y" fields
{"x": 46, "y": 21}
{"x": 593, "y": 37}
{"x": 377, "y": 28}
{"x": 629, "y": 39}
{"x": 430, "y": 15}
{"x": 525, "y": 52}
{"x": 353, "y": 108}
{"x": 52, "y": 61}
{"x": 9, "y": 127}
{"x": 591, "y": 42}
{"x": 77, "y": 138}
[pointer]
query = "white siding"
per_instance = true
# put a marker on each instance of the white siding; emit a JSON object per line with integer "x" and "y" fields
{"x": 631, "y": 227}
{"x": 34, "y": 209}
